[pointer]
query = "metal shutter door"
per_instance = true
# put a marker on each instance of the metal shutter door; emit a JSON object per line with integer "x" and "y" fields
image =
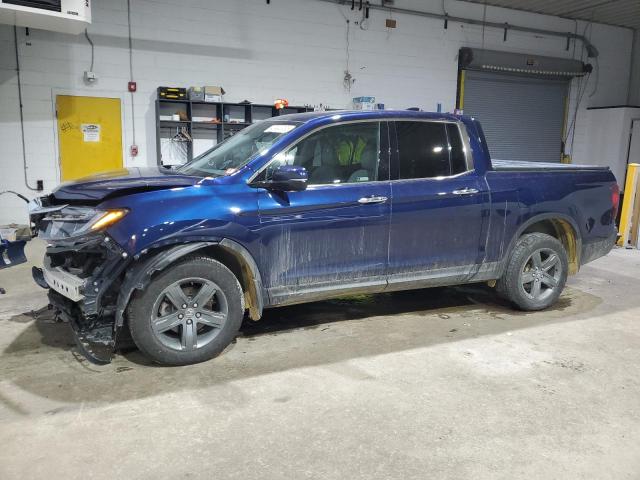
{"x": 522, "y": 117}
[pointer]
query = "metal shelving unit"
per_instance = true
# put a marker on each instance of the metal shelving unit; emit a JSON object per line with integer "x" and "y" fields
{"x": 240, "y": 115}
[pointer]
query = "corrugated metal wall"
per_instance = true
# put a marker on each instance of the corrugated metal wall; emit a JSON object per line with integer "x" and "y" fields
{"x": 522, "y": 117}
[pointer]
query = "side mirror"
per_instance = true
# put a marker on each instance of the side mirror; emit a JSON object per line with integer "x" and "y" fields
{"x": 286, "y": 178}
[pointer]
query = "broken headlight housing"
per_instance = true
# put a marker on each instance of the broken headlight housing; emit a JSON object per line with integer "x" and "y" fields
{"x": 71, "y": 222}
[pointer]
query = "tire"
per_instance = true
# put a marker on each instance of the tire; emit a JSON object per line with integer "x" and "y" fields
{"x": 536, "y": 272}
{"x": 168, "y": 325}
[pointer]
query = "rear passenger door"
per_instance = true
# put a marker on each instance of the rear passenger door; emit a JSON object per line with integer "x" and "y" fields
{"x": 438, "y": 203}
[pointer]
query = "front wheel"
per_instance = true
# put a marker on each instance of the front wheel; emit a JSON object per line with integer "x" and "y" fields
{"x": 536, "y": 273}
{"x": 189, "y": 313}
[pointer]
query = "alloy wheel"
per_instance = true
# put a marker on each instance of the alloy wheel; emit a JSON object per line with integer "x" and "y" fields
{"x": 541, "y": 274}
{"x": 189, "y": 314}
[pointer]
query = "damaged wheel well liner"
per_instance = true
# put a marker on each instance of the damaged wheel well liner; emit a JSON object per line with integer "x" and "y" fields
{"x": 233, "y": 255}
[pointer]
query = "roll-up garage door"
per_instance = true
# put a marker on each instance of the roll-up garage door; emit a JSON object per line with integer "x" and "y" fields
{"x": 522, "y": 117}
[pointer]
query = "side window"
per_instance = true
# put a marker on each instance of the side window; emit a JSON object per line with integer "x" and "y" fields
{"x": 423, "y": 149}
{"x": 456, "y": 150}
{"x": 346, "y": 153}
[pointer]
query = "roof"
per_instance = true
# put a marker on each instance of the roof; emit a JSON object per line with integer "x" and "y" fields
{"x": 365, "y": 114}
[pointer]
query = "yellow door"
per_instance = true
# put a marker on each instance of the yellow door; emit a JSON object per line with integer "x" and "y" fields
{"x": 90, "y": 135}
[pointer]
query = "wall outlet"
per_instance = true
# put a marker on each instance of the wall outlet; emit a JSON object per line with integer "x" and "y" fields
{"x": 90, "y": 77}
{"x": 40, "y": 185}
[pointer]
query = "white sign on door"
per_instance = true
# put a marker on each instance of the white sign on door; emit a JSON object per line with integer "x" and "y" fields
{"x": 90, "y": 132}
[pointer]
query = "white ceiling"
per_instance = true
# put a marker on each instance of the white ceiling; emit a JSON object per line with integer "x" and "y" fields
{"x": 624, "y": 13}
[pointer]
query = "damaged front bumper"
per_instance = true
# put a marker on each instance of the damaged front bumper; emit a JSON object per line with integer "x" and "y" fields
{"x": 95, "y": 337}
{"x": 83, "y": 277}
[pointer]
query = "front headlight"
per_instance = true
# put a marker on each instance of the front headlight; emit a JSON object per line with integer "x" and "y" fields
{"x": 108, "y": 218}
{"x": 71, "y": 222}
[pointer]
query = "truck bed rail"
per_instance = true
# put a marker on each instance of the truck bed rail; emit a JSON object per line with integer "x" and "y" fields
{"x": 514, "y": 165}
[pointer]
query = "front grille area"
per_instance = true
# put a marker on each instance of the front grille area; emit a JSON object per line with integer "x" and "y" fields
{"x": 82, "y": 262}
{"x": 99, "y": 262}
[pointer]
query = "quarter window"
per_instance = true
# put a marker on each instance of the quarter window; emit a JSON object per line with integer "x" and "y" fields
{"x": 347, "y": 153}
{"x": 456, "y": 150}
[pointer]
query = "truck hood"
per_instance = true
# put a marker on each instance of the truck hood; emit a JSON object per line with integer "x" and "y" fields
{"x": 99, "y": 187}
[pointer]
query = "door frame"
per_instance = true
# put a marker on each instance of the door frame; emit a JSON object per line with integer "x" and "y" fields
{"x": 318, "y": 290}
{"x": 85, "y": 93}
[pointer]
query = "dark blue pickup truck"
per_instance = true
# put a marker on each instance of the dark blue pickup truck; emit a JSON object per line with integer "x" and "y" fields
{"x": 307, "y": 207}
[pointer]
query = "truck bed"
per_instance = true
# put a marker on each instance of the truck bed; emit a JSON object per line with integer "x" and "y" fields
{"x": 519, "y": 166}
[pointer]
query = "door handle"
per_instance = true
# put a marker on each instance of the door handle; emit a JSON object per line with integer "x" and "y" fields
{"x": 465, "y": 191}
{"x": 372, "y": 199}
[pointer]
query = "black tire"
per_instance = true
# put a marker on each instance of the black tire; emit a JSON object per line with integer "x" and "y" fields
{"x": 548, "y": 274}
{"x": 190, "y": 275}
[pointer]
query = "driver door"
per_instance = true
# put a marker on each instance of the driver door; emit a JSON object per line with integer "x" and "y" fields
{"x": 333, "y": 235}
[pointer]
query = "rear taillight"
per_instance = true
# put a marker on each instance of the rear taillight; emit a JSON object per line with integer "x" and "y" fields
{"x": 615, "y": 199}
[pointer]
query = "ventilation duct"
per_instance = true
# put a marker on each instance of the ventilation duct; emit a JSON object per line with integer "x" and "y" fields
{"x": 521, "y": 64}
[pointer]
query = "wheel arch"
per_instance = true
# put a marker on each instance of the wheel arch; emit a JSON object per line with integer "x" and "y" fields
{"x": 559, "y": 226}
{"x": 238, "y": 259}
{"x": 228, "y": 252}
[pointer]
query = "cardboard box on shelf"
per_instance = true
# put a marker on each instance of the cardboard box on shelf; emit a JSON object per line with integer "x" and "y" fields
{"x": 364, "y": 103}
{"x": 213, "y": 94}
{"x": 196, "y": 94}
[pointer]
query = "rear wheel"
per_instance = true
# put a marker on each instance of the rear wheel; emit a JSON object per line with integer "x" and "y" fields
{"x": 188, "y": 313}
{"x": 536, "y": 273}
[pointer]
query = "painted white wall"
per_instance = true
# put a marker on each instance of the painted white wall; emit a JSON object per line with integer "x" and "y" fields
{"x": 292, "y": 48}
{"x": 608, "y": 131}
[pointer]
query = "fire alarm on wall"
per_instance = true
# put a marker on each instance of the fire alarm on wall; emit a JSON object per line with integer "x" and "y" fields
{"x": 134, "y": 150}
{"x": 133, "y": 86}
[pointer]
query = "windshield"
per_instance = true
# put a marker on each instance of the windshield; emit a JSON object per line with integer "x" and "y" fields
{"x": 232, "y": 154}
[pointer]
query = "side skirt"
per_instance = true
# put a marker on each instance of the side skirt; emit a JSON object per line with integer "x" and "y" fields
{"x": 291, "y": 295}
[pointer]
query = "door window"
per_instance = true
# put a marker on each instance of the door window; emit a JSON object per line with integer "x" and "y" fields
{"x": 422, "y": 150}
{"x": 346, "y": 153}
{"x": 429, "y": 150}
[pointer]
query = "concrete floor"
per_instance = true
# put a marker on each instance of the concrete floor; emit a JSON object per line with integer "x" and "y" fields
{"x": 442, "y": 383}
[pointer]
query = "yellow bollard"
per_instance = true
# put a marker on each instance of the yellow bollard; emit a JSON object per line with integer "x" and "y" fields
{"x": 630, "y": 186}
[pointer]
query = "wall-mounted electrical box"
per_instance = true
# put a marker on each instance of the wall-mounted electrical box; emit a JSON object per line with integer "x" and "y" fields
{"x": 66, "y": 16}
